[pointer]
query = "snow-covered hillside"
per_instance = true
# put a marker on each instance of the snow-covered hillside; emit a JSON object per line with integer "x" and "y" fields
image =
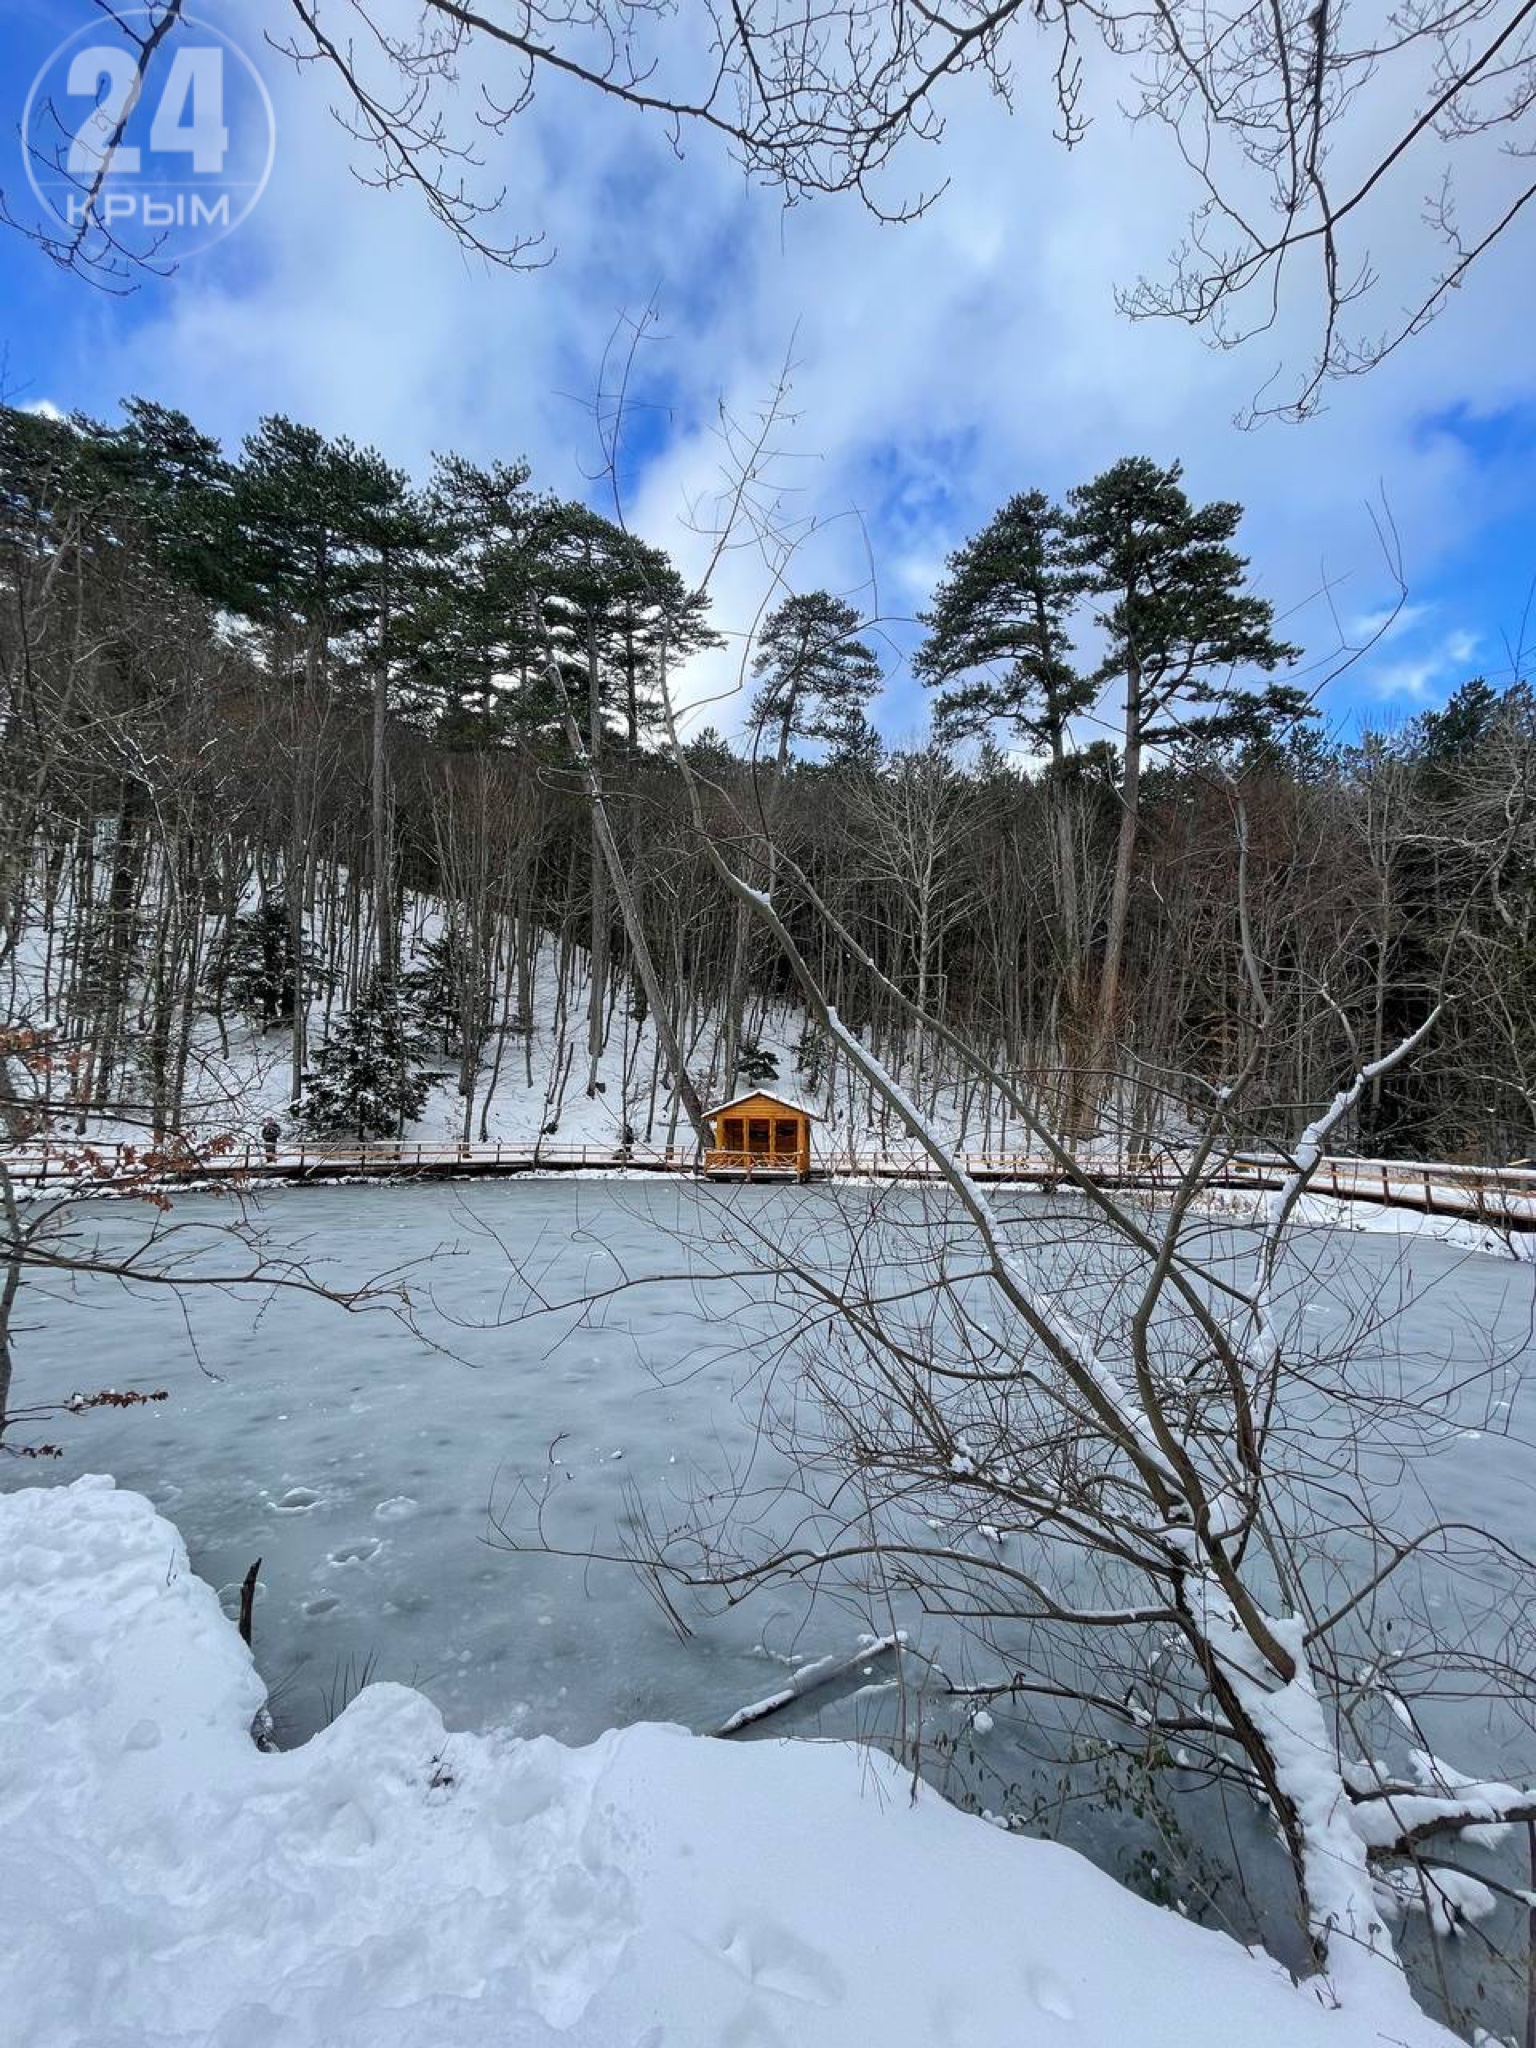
{"x": 168, "y": 1885}
{"x": 527, "y": 1083}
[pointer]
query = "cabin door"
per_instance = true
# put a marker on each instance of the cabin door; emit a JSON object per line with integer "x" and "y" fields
{"x": 758, "y": 1140}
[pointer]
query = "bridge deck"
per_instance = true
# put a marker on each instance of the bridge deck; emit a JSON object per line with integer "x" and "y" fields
{"x": 1502, "y": 1197}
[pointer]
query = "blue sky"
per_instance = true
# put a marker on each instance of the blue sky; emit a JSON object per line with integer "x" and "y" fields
{"x": 938, "y": 367}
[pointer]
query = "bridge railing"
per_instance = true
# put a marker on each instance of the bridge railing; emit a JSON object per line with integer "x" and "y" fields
{"x": 1440, "y": 1186}
{"x": 118, "y": 1163}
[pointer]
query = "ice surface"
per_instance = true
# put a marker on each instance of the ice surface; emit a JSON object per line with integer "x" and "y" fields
{"x": 360, "y": 1461}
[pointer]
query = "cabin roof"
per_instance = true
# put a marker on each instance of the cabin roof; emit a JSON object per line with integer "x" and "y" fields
{"x": 762, "y": 1095}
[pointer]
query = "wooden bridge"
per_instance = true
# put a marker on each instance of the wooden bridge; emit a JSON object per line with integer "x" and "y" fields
{"x": 1502, "y": 1197}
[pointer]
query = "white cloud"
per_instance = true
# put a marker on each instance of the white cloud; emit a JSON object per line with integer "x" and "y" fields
{"x": 940, "y": 366}
{"x": 1390, "y": 622}
{"x": 1429, "y": 675}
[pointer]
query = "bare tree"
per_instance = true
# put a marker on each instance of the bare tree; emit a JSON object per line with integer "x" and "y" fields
{"x": 910, "y": 832}
{"x": 1126, "y": 1466}
{"x": 1128, "y": 1469}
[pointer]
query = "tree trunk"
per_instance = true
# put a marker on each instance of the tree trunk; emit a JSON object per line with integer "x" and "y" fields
{"x": 1106, "y": 1033}
{"x": 640, "y": 952}
{"x": 598, "y": 989}
{"x": 10, "y": 1282}
{"x": 383, "y": 913}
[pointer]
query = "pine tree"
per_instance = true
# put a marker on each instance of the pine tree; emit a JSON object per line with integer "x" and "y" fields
{"x": 257, "y": 974}
{"x": 1000, "y": 650}
{"x": 181, "y": 489}
{"x": 392, "y": 540}
{"x": 57, "y": 479}
{"x": 471, "y": 641}
{"x": 812, "y": 1054}
{"x": 754, "y": 1065}
{"x": 289, "y": 554}
{"x": 435, "y": 989}
{"x": 368, "y": 1081}
{"x": 1180, "y": 627}
{"x": 1178, "y": 620}
{"x": 612, "y": 606}
{"x": 1452, "y": 736}
{"x": 816, "y": 676}
{"x": 815, "y": 680}
{"x": 857, "y": 747}
{"x": 999, "y": 631}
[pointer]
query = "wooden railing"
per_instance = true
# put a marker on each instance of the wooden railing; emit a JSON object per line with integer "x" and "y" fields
{"x": 717, "y": 1160}
{"x": 1504, "y": 1196}
{"x": 116, "y": 1164}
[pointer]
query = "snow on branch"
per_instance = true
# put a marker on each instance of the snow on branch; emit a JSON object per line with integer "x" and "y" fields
{"x": 1391, "y": 1818}
{"x": 810, "y": 1678}
{"x": 1263, "y": 1346}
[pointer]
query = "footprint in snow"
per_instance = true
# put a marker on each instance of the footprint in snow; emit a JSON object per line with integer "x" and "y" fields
{"x": 298, "y": 1500}
{"x": 773, "y": 1959}
{"x": 361, "y": 1552}
{"x": 525, "y": 1796}
{"x": 347, "y": 1830}
{"x": 399, "y": 1508}
{"x": 1050, "y": 1994}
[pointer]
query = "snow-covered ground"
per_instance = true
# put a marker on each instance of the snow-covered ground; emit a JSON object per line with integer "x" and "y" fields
{"x": 164, "y": 1884}
{"x": 533, "y": 1088}
{"x": 238, "y": 1074}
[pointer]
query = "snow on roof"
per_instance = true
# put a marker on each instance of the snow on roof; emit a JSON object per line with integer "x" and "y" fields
{"x": 766, "y": 1095}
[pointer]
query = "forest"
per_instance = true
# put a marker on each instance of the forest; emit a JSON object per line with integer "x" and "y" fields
{"x": 260, "y": 708}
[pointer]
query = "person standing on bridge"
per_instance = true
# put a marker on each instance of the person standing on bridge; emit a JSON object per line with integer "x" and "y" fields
{"x": 271, "y": 1131}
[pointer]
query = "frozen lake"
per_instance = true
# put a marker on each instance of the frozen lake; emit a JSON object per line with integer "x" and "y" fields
{"x": 358, "y": 1458}
{"x": 361, "y": 1459}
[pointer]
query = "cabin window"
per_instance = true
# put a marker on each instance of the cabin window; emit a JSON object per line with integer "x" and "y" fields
{"x": 757, "y": 1135}
{"x": 733, "y": 1134}
{"x": 786, "y": 1137}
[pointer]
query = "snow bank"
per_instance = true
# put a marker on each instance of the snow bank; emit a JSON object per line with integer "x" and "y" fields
{"x": 164, "y": 1884}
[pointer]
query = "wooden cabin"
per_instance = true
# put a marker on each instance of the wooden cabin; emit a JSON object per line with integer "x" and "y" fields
{"x": 760, "y": 1134}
